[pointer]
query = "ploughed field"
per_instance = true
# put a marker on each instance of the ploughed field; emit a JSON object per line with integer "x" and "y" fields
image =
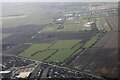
{"x": 102, "y": 57}
{"x": 113, "y": 22}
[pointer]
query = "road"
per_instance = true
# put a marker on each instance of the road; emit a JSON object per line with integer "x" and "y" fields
{"x": 60, "y": 67}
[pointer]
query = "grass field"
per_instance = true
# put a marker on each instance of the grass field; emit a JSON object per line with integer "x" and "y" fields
{"x": 102, "y": 24}
{"x": 51, "y": 28}
{"x": 69, "y": 25}
{"x": 60, "y": 51}
{"x": 64, "y": 44}
{"x": 61, "y": 55}
{"x": 83, "y": 23}
{"x": 33, "y": 49}
{"x": 78, "y": 51}
{"x": 78, "y": 46}
{"x": 91, "y": 41}
{"x": 42, "y": 55}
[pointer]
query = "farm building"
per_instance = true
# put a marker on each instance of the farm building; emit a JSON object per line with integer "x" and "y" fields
{"x": 88, "y": 24}
{"x": 70, "y": 18}
{"x": 68, "y": 15}
{"x": 59, "y": 19}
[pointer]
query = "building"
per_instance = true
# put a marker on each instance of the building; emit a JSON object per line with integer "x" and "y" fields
{"x": 59, "y": 19}
{"x": 23, "y": 75}
{"x": 88, "y": 24}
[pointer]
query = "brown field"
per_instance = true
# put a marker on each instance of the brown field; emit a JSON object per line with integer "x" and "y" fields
{"x": 113, "y": 22}
{"x": 102, "y": 58}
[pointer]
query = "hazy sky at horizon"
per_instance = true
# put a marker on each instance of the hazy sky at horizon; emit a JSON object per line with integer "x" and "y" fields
{"x": 60, "y": 0}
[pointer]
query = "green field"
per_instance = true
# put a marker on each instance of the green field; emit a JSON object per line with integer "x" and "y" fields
{"x": 91, "y": 41}
{"x": 60, "y": 51}
{"x": 50, "y": 28}
{"x": 69, "y": 25}
{"x": 64, "y": 44}
{"x": 61, "y": 55}
{"x": 78, "y": 51}
{"x": 34, "y": 48}
{"x": 42, "y": 55}
{"x": 72, "y": 27}
{"x": 102, "y": 24}
{"x": 79, "y": 25}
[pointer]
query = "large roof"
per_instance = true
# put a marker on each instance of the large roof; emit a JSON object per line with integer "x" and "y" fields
{"x": 23, "y": 75}
{"x": 4, "y": 72}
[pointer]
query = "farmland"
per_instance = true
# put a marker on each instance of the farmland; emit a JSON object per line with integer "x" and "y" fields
{"x": 50, "y": 28}
{"x": 92, "y": 41}
{"x": 59, "y": 50}
{"x": 104, "y": 25}
{"x": 113, "y": 22}
{"x": 80, "y": 37}
{"x": 42, "y": 55}
{"x": 102, "y": 57}
{"x": 73, "y": 25}
{"x": 64, "y": 44}
{"x": 34, "y": 48}
{"x": 79, "y": 24}
{"x": 51, "y": 52}
{"x": 41, "y": 38}
{"x": 61, "y": 55}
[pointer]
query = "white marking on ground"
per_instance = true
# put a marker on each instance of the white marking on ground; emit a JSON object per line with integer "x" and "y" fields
{"x": 14, "y": 17}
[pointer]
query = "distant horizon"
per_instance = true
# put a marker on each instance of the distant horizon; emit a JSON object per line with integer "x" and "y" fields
{"x": 60, "y": 1}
